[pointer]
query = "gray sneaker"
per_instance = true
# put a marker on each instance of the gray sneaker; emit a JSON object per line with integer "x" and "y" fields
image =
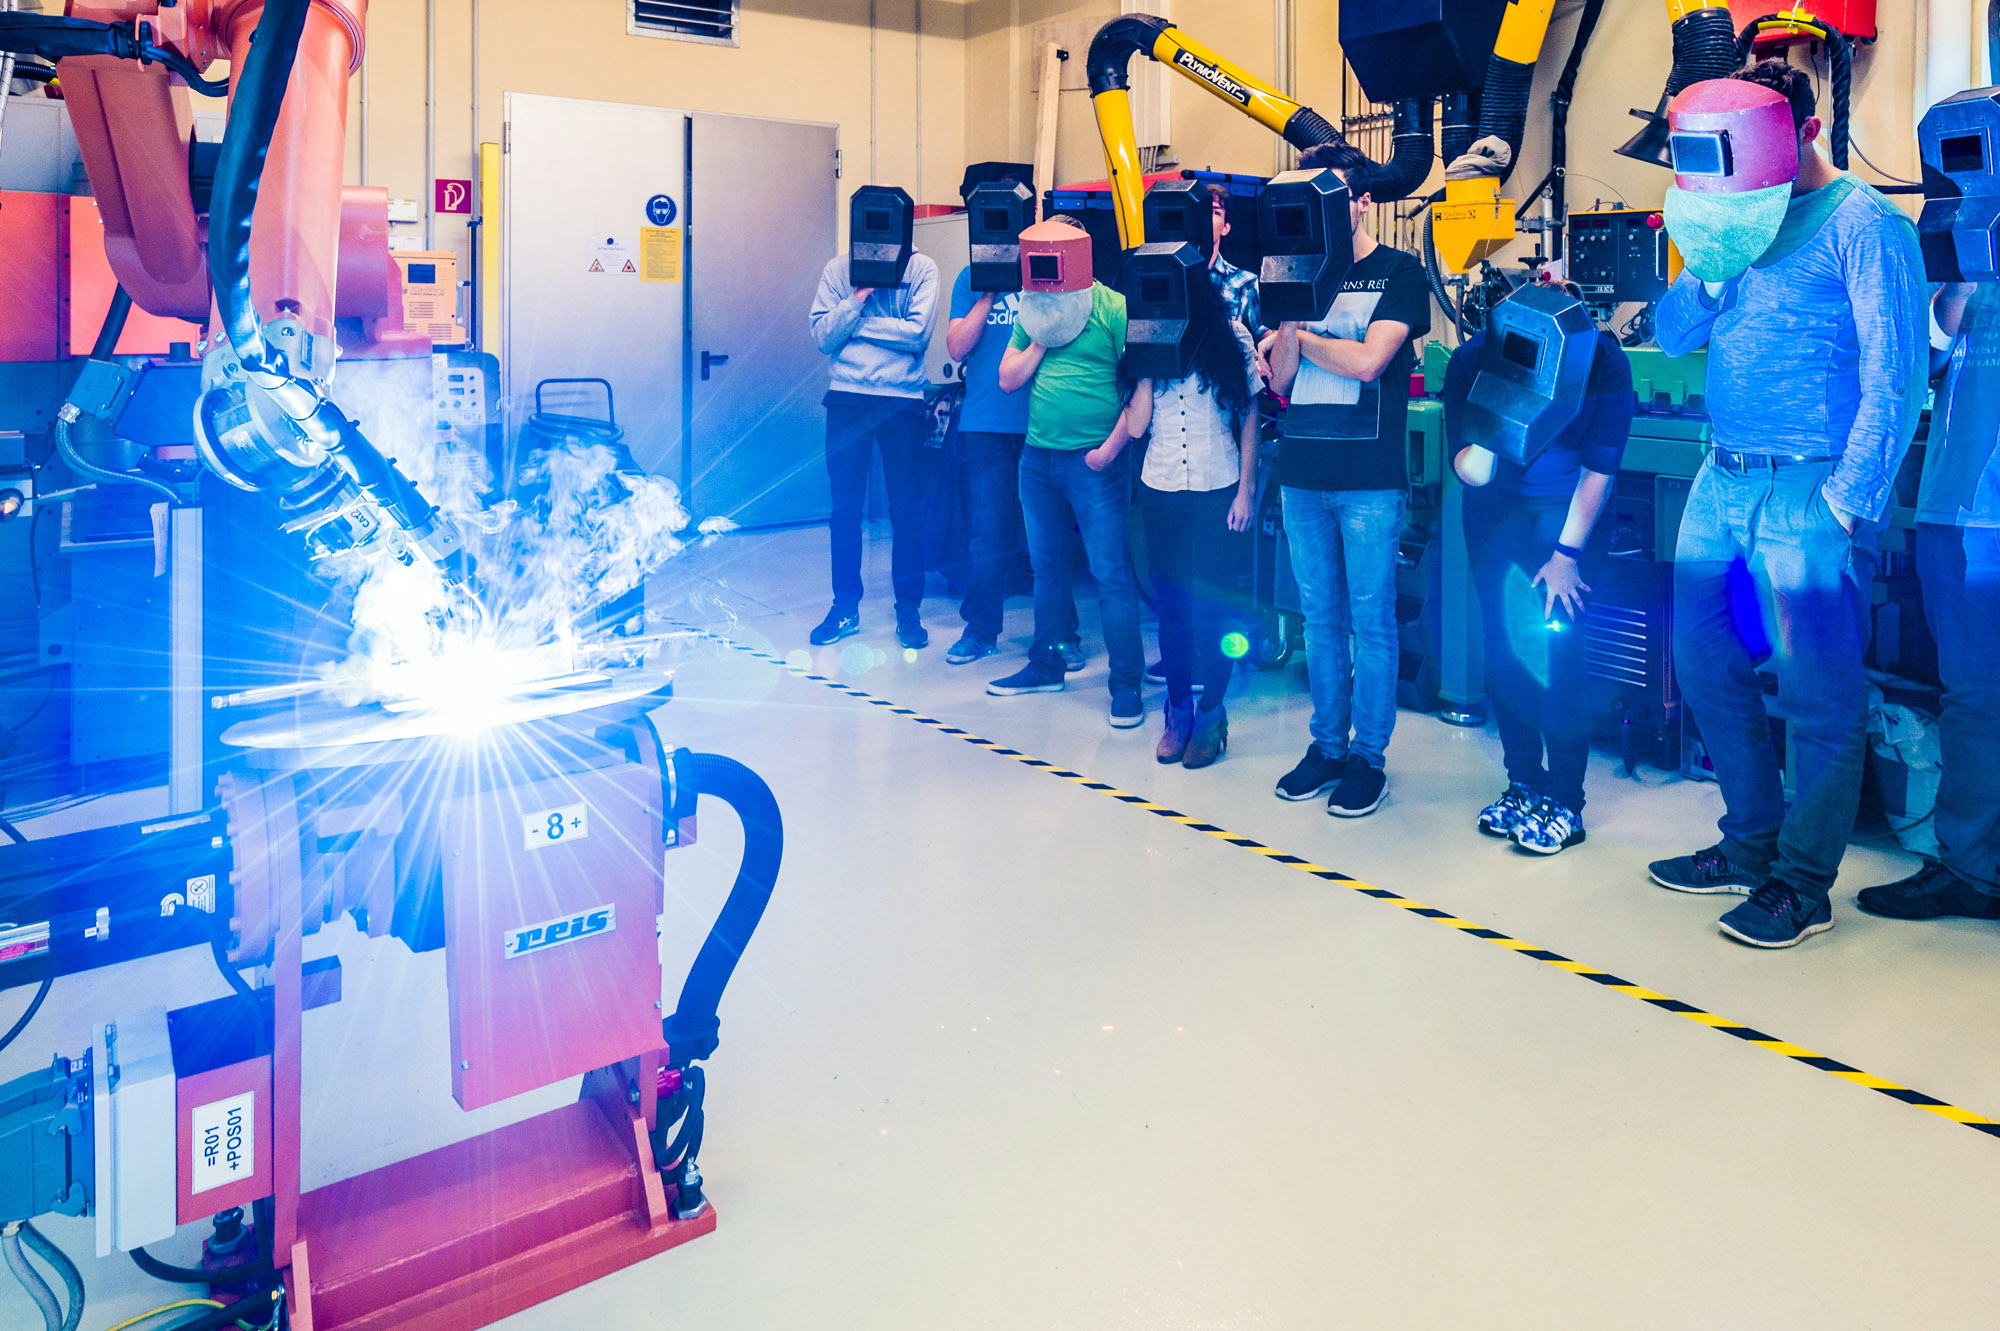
{"x": 1073, "y": 655}
{"x": 969, "y": 648}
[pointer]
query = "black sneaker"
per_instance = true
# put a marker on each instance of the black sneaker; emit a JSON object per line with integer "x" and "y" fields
{"x": 838, "y": 624}
{"x": 1156, "y": 673}
{"x": 1315, "y": 774}
{"x": 1360, "y": 792}
{"x": 969, "y": 648}
{"x": 1028, "y": 679}
{"x": 1777, "y": 916}
{"x": 1126, "y": 709}
{"x": 1073, "y": 655}
{"x": 1931, "y": 893}
{"x": 910, "y": 631}
{"x": 1705, "y": 873}
{"x": 1499, "y": 817}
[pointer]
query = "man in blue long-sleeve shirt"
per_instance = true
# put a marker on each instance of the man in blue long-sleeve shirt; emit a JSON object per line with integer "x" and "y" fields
{"x": 1816, "y": 365}
{"x": 875, "y": 399}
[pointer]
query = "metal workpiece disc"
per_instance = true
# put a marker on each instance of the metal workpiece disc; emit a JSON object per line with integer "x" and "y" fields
{"x": 319, "y": 724}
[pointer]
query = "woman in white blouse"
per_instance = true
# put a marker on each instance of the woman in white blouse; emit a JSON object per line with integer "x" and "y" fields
{"x": 1197, "y": 488}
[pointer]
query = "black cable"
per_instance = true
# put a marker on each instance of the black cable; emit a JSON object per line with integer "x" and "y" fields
{"x": 13, "y": 833}
{"x": 194, "y": 1275}
{"x": 218, "y": 947}
{"x": 113, "y": 326}
{"x": 72, "y": 1278}
{"x": 34, "y": 1006}
{"x": 1559, "y": 102}
{"x": 54, "y": 37}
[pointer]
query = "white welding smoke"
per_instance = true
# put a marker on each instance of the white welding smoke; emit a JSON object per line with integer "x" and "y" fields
{"x": 582, "y": 533}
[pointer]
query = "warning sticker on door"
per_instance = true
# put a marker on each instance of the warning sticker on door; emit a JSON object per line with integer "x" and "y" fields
{"x": 659, "y": 254}
{"x": 225, "y": 1142}
{"x": 610, "y": 255}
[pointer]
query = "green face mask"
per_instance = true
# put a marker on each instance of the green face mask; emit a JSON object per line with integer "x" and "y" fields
{"x": 1721, "y": 235}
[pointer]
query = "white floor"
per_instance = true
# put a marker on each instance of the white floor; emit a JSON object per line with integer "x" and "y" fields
{"x": 1007, "y": 1053}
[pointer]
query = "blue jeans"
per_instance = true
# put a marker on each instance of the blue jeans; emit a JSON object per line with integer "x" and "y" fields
{"x": 1766, "y": 579}
{"x": 991, "y": 467}
{"x": 1344, "y": 557}
{"x": 1057, "y": 489}
{"x": 1960, "y": 569}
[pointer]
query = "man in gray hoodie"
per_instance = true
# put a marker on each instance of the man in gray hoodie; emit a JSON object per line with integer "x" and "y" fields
{"x": 878, "y": 339}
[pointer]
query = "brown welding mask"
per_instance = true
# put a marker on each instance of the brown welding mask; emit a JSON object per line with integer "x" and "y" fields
{"x": 1056, "y": 280}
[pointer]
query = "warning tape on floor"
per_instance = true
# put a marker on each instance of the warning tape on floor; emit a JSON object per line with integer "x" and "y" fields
{"x": 1736, "y": 1029}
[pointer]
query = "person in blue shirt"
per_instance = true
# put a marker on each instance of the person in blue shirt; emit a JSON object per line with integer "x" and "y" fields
{"x": 1816, "y": 364}
{"x": 992, "y": 429}
{"x": 1528, "y": 531}
{"x": 1958, "y": 563}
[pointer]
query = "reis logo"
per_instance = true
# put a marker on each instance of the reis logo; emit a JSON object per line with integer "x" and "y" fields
{"x": 554, "y": 933}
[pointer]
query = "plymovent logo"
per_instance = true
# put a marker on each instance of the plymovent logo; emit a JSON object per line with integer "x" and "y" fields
{"x": 1209, "y": 74}
{"x": 554, "y": 933}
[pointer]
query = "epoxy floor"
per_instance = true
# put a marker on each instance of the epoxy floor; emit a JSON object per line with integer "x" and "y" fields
{"x": 1008, "y": 1053}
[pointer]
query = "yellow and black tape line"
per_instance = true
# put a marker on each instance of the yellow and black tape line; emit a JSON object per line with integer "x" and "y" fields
{"x": 1747, "y": 1034}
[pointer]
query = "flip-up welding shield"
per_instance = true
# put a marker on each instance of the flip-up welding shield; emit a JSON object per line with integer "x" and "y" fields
{"x": 996, "y": 213}
{"x": 880, "y": 229}
{"x": 1160, "y": 338}
{"x": 1307, "y": 231}
{"x": 1959, "y": 227}
{"x": 1179, "y": 210}
{"x": 1534, "y": 371}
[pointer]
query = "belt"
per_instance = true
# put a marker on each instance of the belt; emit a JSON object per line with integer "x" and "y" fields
{"x": 1746, "y": 462}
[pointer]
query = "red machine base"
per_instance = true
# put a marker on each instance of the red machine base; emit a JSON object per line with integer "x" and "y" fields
{"x": 479, "y": 1230}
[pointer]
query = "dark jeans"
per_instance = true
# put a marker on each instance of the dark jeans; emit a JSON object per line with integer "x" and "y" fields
{"x": 1764, "y": 578}
{"x": 1960, "y": 569}
{"x": 852, "y": 434}
{"x": 1057, "y": 489}
{"x": 991, "y": 466}
{"x": 1535, "y": 673}
{"x": 1193, "y": 555}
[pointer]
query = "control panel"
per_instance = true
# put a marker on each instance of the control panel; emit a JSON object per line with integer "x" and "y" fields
{"x": 1619, "y": 255}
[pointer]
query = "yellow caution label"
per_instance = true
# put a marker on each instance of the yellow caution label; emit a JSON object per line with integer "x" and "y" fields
{"x": 659, "y": 254}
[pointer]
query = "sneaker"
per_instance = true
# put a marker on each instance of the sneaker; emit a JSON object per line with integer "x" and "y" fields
{"x": 1932, "y": 892}
{"x": 1499, "y": 817}
{"x": 838, "y": 624}
{"x": 1548, "y": 827}
{"x": 1210, "y": 739}
{"x": 1156, "y": 673}
{"x": 1178, "y": 721}
{"x": 910, "y": 631}
{"x": 1126, "y": 709}
{"x": 1777, "y": 916}
{"x": 1315, "y": 774}
{"x": 1025, "y": 680}
{"x": 969, "y": 648}
{"x": 1706, "y": 873}
{"x": 1074, "y": 658}
{"x": 1360, "y": 792}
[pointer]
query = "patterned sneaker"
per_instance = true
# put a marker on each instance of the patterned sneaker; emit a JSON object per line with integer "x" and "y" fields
{"x": 1548, "y": 827}
{"x": 1777, "y": 916}
{"x": 1706, "y": 873}
{"x": 838, "y": 624}
{"x": 1499, "y": 817}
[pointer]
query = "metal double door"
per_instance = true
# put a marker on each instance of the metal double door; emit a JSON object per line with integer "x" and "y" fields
{"x": 674, "y": 255}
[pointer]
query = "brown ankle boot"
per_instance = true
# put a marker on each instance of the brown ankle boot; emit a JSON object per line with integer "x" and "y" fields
{"x": 1180, "y": 720}
{"x": 1209, "y": 739}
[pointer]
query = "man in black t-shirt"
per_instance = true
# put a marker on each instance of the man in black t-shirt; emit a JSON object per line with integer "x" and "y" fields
{"x": 1528, "y": 533}
{"x": 1345, "y": 483}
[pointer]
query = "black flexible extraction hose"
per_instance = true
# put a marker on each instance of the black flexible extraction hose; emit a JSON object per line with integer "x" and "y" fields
{"x": 1704, "y": 48}
{"x": 691, "y": 1031}
{"x": 1559, "y": 103}
{"x": 1458, "y": 122}
{"x": 1840, "y": 60}
{"x": 1503, "y": 107}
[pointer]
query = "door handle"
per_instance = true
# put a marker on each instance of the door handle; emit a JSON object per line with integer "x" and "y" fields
{"x": 709, "y": 360}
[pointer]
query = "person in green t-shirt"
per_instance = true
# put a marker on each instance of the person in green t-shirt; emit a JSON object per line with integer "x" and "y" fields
{"x": 1072, "y": 471}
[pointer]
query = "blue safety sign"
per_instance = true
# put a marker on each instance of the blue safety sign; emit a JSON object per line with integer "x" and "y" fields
{"x": 660, "y": 210}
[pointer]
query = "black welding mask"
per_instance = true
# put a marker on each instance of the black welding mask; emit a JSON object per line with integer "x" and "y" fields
{"x": 880, "y": 226}
{"x": 1307, "y": 233}
{"x": 1179, "y": 210}
{"x": 1960, "y": 225}
{"x": 996, "y": 212}
{"x": 1534, "y": 371}
{"x": 1157, "y": 282}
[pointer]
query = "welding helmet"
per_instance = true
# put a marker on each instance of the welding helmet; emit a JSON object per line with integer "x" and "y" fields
{"x": 1056, "y": 278}
{"x": 1736, "y": 153}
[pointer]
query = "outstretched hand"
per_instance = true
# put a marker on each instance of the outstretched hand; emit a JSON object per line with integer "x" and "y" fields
{"x": 1561, "y": 580}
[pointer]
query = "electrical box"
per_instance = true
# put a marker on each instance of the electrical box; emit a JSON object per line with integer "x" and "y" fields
{"x": 1619, "y": 255}
{"x": 430, "y": 294}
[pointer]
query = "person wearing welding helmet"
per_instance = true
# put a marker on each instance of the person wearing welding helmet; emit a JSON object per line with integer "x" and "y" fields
{"x": 1807, "y": 288}
{"x": 1958, "y": 563}
{"x": 1344, "y": 473}
{"x": 1528, "y": 530}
